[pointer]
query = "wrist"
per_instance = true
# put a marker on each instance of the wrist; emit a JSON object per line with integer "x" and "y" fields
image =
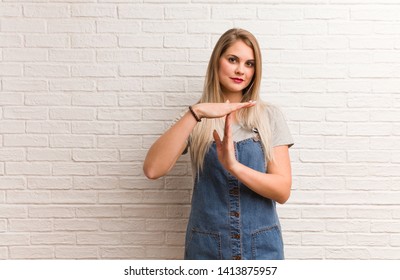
{"x": 196, "y": 112}
{"x": 234, "y": 168}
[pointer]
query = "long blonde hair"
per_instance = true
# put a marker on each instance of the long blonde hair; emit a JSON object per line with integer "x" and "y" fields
{"x": 253, "y": 117}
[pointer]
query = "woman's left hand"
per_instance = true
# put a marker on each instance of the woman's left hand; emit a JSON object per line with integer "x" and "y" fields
{"x": 225, "y": 147}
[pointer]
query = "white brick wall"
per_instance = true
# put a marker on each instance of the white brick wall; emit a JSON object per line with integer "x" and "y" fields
{"x": 87, "y": 86}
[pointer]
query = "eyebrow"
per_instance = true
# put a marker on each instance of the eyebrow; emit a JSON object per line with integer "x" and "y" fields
{"x": 249, "y": 60}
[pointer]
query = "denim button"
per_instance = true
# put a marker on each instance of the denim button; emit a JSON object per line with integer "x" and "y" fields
{"x": 237, "y": 257}
{"x": 235, "y": 214}
{"x": 236, "y": 236}
{"x": 234, "y": 191}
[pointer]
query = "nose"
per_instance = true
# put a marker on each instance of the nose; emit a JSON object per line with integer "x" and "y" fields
{"x": 239, "y": 69}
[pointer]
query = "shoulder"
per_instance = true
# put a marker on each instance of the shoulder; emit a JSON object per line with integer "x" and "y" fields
{"x": 273, "y": 113}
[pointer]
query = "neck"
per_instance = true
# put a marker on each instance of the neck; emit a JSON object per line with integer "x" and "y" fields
{"x": 233, "y": 97}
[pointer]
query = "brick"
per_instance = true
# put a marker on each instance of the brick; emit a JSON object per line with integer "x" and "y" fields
{"x": 103, "y": 211}
{"x": 140, "y": 11}
{"x": 71, "y": 55}
{"x": 140, "y": 128}
{"x": 45, "y": 11}
{"x": 344, "y": 226}
{"x": 141, "y": 69}
{"x": 164, "y": 26}
{"x": 31, "y": 252}
{"x": 25, "y": 141}
{"x": 73, "y": 252}
{"x": 28, "y": 197}
{"x": 384, "y": 253}
{"x": 165, "y": 252}
{"x": 70, "y": 26}
{"x": 140, "y": 41}
{"x": 71, "y": 141}
{"x": 30, "y": 225}
{"x": 123, "y": 142}
{"x": 349, "y": 253}
{"x": 145, "y": 211}
{"x": 123, "y": 225}
{"x": 47, "y": 41}
{"x": 148, "y": 238}
{"x": 94, "y": 41}
{"x": 323, "y": 212}
{"x": 63, "y": 169}
{"x": 18, "y": 25}
{"x": 98, "y": 239}
{"x": 52, "y": 239}
{"x": 51, "y": 212}
{"x": 93, "y": 128}
{"x": 121, "y": 197}
{"x": 48, "y": 127}
{"x": 8, "y": 40}
{"x": 90, "y": 10}
{"x": 368, "y": 240}
{"x": 119, "y": 114}
{"x": 118, "y": 55}
{"x": 46, "y": 71}
{"x": 12, "y": 183}
{"x": 72, "y": 114}
{"x": 46, "y": 99}
{"x": 11, "y": 99}
{"x": 128, "y": 84}
{"x": 93, "y": 71}
{"x": 98, "y": 183}
{"x": 85, "y": 155}
{"x": 72, "y": 85}
{"x": 49, "y": 183}
{"x": 25, "y": 85}
{"x": 19, "y": 239}
{"x": 318, "y": 239}
{"x": 10, "y": 10}
{"x": 28, "y": 168}
{"x": 24, "y": 55}
{"x": 369, "y": 213}
{"x": 188, "y": 41}
{"x": 75, "y": 225}
{"x": 348, "y": 198}
{"x": 75, "y": 197}
{"x": 12, "y": 211}
{"x": 10, "y": 70}
{"x": 118, "y": 26}
{"x": 120, "y": 169}
{"x": 12, "y": 154}
{"x": 123, "y": 252}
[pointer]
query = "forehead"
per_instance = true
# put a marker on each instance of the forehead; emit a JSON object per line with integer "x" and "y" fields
{"x": 241, "y": 50}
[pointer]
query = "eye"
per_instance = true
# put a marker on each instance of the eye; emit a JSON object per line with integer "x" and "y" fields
{"x": 232, "y": 59}
{"x": 250, "y": 63}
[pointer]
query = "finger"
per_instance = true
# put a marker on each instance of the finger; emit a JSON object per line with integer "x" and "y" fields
{"x": 238, "y": 106}
{"x": 228, "y": 130}
{"x": 217, "y": 139}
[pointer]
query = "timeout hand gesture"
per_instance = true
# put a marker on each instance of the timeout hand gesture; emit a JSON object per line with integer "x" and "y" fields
{"x": 225, "y": 147}
{"x": 218, "y": 110}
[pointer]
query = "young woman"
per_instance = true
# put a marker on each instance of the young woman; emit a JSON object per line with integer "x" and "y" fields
{"x": 239, "y": 151}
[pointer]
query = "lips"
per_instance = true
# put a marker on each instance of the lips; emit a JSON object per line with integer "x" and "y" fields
{"x": 237, "y": 80}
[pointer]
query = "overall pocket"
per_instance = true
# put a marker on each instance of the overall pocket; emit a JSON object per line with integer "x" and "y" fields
{"x": 203, "y": 245}
{"x": 267, "y": 244}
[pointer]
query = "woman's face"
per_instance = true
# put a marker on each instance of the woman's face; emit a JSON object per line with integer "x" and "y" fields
{"x": 236, "y": 68}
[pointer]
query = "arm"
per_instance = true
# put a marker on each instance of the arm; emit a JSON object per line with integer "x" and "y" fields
{"x": 275, "y": 184}
{"x": 164, "y": 153}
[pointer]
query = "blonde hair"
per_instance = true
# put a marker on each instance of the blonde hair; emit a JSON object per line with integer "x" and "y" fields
{"x": 253, "y": 117}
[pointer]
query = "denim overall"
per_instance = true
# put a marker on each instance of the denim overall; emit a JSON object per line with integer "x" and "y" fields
{"x": 228, "y": 220}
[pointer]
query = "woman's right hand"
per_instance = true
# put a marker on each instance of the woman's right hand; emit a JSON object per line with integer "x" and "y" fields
{"x": 218, "y": 110}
